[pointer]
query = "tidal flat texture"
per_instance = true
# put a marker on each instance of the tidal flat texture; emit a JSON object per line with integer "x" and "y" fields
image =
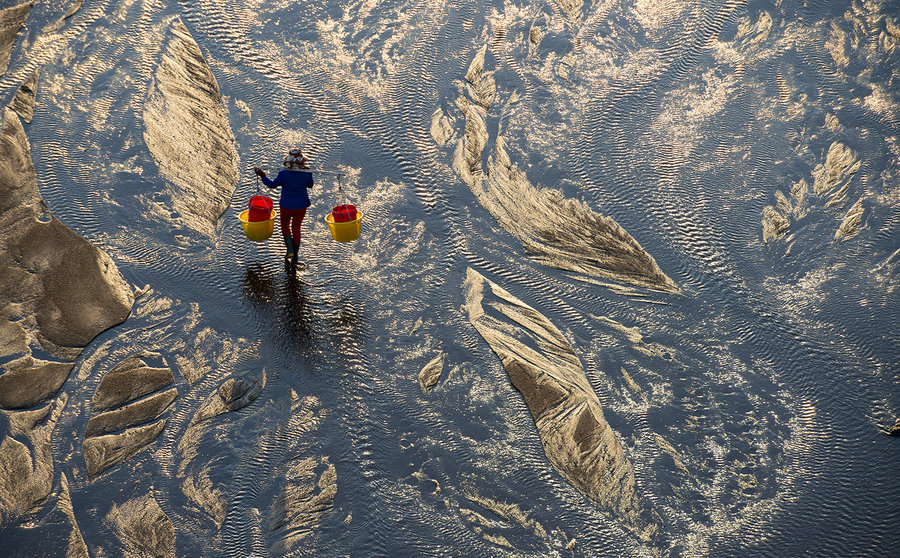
{"x": 626, "y": 284}
{"x": 543, "y": 366}
{"x": 187, "y": 131}
{"x": 59, "y": 292}
{"x": 12, "y": 19}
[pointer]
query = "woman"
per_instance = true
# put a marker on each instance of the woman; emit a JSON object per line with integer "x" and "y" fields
{"x": 294, "y": 182}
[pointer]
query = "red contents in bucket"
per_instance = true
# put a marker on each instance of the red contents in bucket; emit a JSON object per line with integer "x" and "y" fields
{"x": 343, "y": 213}
{"x": 260, "y": 209}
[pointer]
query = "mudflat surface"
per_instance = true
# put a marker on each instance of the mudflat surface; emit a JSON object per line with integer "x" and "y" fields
{"x": 627, "y": 283}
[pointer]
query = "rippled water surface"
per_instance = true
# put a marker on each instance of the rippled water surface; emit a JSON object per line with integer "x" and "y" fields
{"x": 750, "y": 148}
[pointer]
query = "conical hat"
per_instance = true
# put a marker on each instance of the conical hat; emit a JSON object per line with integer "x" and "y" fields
{"x": 295, "y": 159}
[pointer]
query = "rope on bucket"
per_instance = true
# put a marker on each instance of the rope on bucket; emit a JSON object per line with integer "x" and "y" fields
{"x": 339, "y": 175}
{"x": 340, "y": 191}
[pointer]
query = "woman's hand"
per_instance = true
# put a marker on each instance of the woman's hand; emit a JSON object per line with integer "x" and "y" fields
{"x": 259, "y": 172}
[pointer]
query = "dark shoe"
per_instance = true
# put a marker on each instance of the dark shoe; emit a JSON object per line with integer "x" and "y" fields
{"x": 289, "y": 245}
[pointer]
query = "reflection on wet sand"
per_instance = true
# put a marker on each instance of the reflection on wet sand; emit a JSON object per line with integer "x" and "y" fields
{"x": 281, "y": 297}
{"x": 296, "y": 315}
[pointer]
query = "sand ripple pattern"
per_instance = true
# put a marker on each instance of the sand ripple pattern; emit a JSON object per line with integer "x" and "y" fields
{"x": 696, "y": 201}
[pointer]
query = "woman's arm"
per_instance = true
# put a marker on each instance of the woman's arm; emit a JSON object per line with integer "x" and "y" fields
{"x": 259, "y": 172}
{"x": 270, "y": 183}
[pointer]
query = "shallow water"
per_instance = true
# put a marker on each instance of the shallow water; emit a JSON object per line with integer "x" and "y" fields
{"x": 751, "y": 404}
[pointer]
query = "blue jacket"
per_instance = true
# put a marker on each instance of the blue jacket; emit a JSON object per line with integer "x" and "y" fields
{"x": 294, "y": 186}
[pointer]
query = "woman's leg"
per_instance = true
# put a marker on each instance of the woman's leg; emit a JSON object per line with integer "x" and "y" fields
{"x": 286, "y": 230}
{"x": 296, "y": 222}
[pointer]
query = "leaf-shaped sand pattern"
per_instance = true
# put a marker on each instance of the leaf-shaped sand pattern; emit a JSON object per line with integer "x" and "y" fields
{"x": 543, "y": 366}
{"x": 125, "y": 405}
{"x": 187, "y": 131}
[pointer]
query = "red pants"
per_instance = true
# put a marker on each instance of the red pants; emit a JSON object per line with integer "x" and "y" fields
{"x": 291, "y": 219}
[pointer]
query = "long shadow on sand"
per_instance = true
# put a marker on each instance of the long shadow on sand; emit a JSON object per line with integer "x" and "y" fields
{"x": 302, "y": 322}
{"x": 282, "y": 302}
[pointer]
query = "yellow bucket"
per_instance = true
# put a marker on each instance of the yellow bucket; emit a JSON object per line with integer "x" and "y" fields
{"x": 344, "y": 232}
{"x": 257, "y": 230}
